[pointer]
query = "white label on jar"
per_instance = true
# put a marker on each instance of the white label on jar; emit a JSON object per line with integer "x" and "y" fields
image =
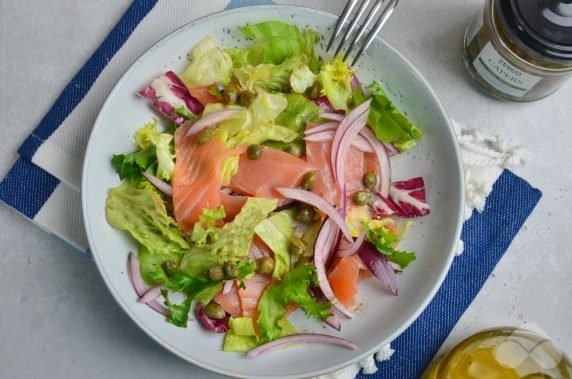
{"x": 501, "y": 74}
{"x": 474, "y": 27}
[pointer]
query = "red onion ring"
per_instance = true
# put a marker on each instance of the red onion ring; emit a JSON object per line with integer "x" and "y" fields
{"x": 211, "y": 119}
{"x": 152, "y": 294}
{"x": 332, "y": 116}
{"x": 352, "y": 248}
{"x": 159, "y": 184}
{"x": 139, "y": 286}
{"x": 295, "y": 339}
{"x": 322, "y": 127}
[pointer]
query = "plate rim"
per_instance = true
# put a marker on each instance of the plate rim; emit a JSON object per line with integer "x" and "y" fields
{"x": 164, "y": 343}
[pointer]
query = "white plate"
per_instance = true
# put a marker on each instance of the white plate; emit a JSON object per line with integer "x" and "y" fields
{"x": 382, "y": 317}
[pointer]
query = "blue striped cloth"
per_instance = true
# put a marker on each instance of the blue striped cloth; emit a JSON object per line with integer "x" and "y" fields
{"x": 48, "y": 196}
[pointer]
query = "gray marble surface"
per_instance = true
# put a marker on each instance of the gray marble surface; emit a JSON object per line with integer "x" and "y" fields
{"x": 58, "y": 320}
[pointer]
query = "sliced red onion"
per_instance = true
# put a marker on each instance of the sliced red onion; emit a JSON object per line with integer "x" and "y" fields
{"x": 332, "y": 116}
{"x": 159, "y": 184}
{"x": 322, "y": 127}
{"x": 351, "y": 249}
{"x": 391, "y": 150}
{"x": 379, "y": 266}
{"x": 295, "y": 339}
{"x": 354, "y": 81}
{"x": 134, "y": 271}
{"x": 152, "y": 294}
{"x": 168, "y": 93}
{"x": 384, "y": 182}
{"x": 345, "y": 133}
{"x": 227, "y": 287}
{"x": 322, "y": 248}
{"x": 318, "y": 202}
{"x": 218, "y": 326}
{"x": 211, "y": 119}
{"x": 360, "y": 143}
{"x": 334, "y": 322}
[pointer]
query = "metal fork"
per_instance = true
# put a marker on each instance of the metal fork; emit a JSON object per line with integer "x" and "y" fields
{"x": 373, "y": 13}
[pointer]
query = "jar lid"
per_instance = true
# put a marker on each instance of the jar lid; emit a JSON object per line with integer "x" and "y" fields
{"x": 545, "y": 26}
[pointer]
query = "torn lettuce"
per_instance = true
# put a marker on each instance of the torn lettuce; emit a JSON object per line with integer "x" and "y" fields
{"x": 385, "y": 239}
{"x": 302, "y": 78}
{"x": 298, "y": 112}
{"x": 335, "y": 77}
{"x": 276, "y": 232}
{"x": 209, "y": 65}
{"x": 149, "y": 136}
{"x": 242, "y": 337}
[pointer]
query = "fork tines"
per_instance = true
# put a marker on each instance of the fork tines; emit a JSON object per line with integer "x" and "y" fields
{"x": 377, "y": 12}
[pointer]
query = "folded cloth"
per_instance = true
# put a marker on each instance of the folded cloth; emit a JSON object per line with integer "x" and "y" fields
{"x": 44, "y": 183}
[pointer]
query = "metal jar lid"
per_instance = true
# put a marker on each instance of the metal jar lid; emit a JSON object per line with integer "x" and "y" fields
{"x": 544, "y": 26}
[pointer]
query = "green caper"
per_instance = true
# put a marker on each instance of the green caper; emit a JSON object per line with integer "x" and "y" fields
{"x": 308, "y": 180}
{"x": 216, "y": 273}
{"x": 295, "y": 149}
{"x": 230, "y": 94}
{"x": 314, "y": 92}
{"x": 231, "y": 269}
{"x": 254, "y": 152}
{"x": 265, "y": 265}
{"x": 361, "y": 197}
{"x": 369, "y": 180}
{"x": 297, "y": 246}
{"x": 206, "y": 136}
{"x": 305, "y": 213}
{"x": 214, "y": 310}
{"x": 245, "y": 97}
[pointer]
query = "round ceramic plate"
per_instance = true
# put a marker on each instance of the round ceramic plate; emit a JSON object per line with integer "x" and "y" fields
{"x": 381, "y": 317}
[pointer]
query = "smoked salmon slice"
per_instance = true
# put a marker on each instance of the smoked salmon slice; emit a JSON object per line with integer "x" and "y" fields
{"x": 344, "y": 280}
{"x": 275, "y": 168}
{"x": 251, "y": 293}
{"x": 203, "y": 95}
{"x": 197, "y": 177}
{"x": 230, "y": 301}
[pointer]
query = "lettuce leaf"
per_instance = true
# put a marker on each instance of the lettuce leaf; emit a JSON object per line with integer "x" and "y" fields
{"x": 229, "y": 168}
{"x": 275, "y": 41}
{"x": 209, "y": 65}
{"x": 388, "y": 123}
{"x": 298, "y": 112}
{"x": 385, "y": 240}
{"x": 267, "y": 77}
{"x": 230, "y": 242}
{"x": 137, "y": 208}
{"x": 302, "y": 78}
{"x": 131, "y": 166}
{"x": 178, "y": 313}
{"x": 149, "y": 136}
{"x": 267, "y": 106}
{"x": 294, "y": 288}
{"x": 336, "y": 77}
{"x": 276, "y": 231}
{"x": 242, "y": 337}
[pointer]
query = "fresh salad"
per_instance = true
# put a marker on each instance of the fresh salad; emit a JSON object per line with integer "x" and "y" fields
{"x": 264, "y": 186}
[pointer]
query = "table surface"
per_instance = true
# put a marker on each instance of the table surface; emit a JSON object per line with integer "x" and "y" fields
{"x": 57, "y": 318}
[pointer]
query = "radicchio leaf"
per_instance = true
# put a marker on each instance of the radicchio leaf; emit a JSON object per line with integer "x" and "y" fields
{"x": 408, "y": 196}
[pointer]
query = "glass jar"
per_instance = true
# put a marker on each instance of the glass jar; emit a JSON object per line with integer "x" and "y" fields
{"x": 520, "y": 50}
{"x": 503, "y": 353}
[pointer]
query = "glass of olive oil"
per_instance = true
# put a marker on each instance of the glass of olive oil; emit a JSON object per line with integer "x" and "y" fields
{"x": 503, "y": 353}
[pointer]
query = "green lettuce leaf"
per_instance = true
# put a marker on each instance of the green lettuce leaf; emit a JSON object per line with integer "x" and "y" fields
{"x": 230, "y": 242}
{"x": 336, "y": 77}
{"x": 276, "y": 231}
{"x": 242, "y": 337}
{"x": 228, "y": 169}
{"x": 267, "y": 77}
{"x": 131, "y": 166}
{"x": 388, "y": 123}
{"x": 137, "y": 208}
{"x": 149, "y": 136}
{"x": 275, "y": 41}
{"x": 179, "y": 313}
{"x": 294, "y": 288}
{"x": 385, "y": 242}
{"x": 267, "y": 106}
{"x": 302, "y": 78}
{"x": 298, "y": 112}
{"x": 206, "y": 226}
{"x": 209, "y": 65}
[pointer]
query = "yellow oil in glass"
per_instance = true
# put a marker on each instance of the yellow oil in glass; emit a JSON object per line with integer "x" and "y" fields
{"x": 506, "y": 353}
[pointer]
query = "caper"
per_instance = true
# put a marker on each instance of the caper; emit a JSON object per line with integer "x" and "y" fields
{"x": 216, "y": 273}
{"x": 314, "y": 91}
{"x": 265, "y": 265}
{"x": 295, "y": 149}
{"x": 230, "y": 94}
{"x": 254, "y": 152}
{"x": 206, "y": 136}
{"x": 369, "y": 179}
{"x": 215, "y": 311}
{"x": 305, "y": 213}
{"x": 361, "y": 197}
{"x": 245, "y": 97}
{"x": 231, "y": 269}
{"x": 308, "y": 180}
{"x": 297, "y": 246}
